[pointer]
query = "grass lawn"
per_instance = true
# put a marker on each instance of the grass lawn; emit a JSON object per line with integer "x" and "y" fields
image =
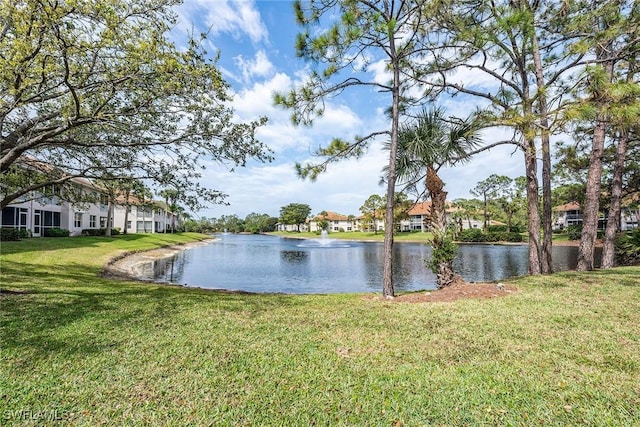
{"x": 564, "y": 350}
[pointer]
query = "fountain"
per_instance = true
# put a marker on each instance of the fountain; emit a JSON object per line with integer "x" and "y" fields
{"x": 325, "y": 242}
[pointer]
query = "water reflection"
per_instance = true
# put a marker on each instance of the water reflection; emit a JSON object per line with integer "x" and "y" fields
{"x": 272, "y": 264}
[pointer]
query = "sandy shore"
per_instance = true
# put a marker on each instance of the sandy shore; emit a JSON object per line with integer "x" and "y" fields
{"x": 129, "y": 265}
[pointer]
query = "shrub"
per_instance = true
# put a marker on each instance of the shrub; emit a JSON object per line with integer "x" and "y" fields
{"x": 24, "y": 233}
{"x": 515, "y": 228}
{"x": 444, "y": 251}
{"x": 471, "y": 235}
{"x": 574, "y": 232}
{"x": 627, "y": 247}
{"x": 7, "y": 234}
{"x": 56, "y": 232}
{"x": 476, "y": 235}
{"x": 93, "y": 232}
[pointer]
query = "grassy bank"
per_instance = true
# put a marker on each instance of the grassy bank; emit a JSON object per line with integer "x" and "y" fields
{"x": 564, "y": 350}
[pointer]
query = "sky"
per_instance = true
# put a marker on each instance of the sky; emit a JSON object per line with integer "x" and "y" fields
{"x": 256, "y": 43}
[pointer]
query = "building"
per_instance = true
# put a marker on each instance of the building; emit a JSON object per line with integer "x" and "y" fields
{"x": 38, "y": 211}
{"x": 335, "y": 222}
{"x": 138, "y": 216}
{"x": 566, "y": 215}
{"x": 571, "y": 214}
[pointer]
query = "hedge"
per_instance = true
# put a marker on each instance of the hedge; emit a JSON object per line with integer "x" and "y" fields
{"x": 8, "y": 234}
{"x": 477, "y": 236}
{"x": 56, "y": 232}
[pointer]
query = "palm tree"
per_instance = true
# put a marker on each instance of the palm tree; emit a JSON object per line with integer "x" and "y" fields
{"x": 429, "y": 143}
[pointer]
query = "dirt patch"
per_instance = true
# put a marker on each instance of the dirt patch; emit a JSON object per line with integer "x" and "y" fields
{"x": 460, "y": 290}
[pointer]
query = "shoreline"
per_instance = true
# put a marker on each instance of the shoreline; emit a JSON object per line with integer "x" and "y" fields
{"x": 127, "y": 266}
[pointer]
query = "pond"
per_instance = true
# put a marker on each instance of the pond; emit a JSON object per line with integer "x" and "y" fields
{"x": 260, "y": 263}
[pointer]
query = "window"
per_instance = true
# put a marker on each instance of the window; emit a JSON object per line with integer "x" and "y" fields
{"x": 103, "y": 222}
{"x": 92, "y": 221}
{"x": 77, "y": 220}
{"x": 128, "y": 225}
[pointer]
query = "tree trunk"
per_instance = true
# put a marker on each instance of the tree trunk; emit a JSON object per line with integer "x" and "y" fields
{"x": 532, "y": 206}
{"x": 613, "y": 223}
{"x": 591, "y": 209}
{"x": 547, "y": 228}
{"x": 107, "y": 231}
{"x": 387, "y": 271}
{"x": 126, "y": 218}
{"x": 445, "y": 274}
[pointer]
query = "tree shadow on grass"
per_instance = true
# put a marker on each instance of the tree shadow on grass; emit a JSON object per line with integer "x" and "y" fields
{"x": 73, "y": 312}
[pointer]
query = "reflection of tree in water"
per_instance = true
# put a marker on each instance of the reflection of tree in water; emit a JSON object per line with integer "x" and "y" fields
{"x": 295, "y": 257}
{"x": 170, "y": 269}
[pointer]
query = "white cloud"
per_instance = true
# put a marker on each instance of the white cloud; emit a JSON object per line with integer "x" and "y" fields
{"x": 237, "y": 18}
{"x": 259, "y": 66}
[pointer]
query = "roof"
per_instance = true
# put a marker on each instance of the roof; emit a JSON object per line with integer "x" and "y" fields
{"x": 573, "y": 206}
{"x": 331, "y": 216}
{"x": 424, "y": 208}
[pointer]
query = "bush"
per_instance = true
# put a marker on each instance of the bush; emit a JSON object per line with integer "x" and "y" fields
{"x": 627, "y": 247}
{"x": 503, "y": 229}
{"x": 9, "y": 234}
{"x": 93, "y": 232}
{"x": 56, "y": 232}
{"x": 443, "y": 252}
{"x": 24, "y": 233}
{"x": 476, "y": 235}
{"x": 574, "y": 232}
{"x": 471, "y": 235}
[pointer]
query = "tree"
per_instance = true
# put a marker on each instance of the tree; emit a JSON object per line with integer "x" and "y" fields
{"x": 170, "y": 195}
{"x": 511, "y": 198}
{"x": 467, "y": 209}
{"x": 401, "y": 208}
{"x": 230, "y": 223}
{"x": 96, "y": 89}
{"x": 259, "y": 223}
{"x": 516, "y": 50}
{"x": 295, "y": 214}
{"x": 426, "y": 145}
{"x": 610, "y": 32}
{"x": 358, "y": 34}
{"x": 373, "y": 209}
{"x": 489, "y": 189}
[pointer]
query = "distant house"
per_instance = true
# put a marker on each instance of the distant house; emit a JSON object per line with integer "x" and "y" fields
{"x": 566, "y": 215}
{"x": 335, "y": 222}
{"x": 630, "y": 218}
{"x": 420, "y": 218}
{"x": 144, "y": 216}
{"x": 571, "y": 214}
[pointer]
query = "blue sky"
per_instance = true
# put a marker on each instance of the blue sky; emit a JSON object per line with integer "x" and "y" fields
{"x": 256, "y": 43}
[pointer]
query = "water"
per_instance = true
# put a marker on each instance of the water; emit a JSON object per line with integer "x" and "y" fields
{"x": 257, "y": 263}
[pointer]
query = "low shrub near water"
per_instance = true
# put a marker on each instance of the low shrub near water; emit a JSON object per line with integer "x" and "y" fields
{"x": 628, "y": 248}
{"x": 477, "y": 236}
{"x": 574, "y": 232}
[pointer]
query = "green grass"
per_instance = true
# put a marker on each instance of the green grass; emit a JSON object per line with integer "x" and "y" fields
{"x": 564, "y": 350}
